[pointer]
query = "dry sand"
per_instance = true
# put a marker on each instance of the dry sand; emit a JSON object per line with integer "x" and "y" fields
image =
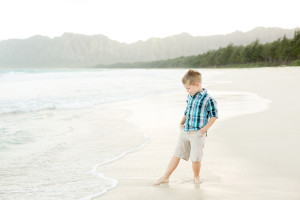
{"x": 253, "y": 156}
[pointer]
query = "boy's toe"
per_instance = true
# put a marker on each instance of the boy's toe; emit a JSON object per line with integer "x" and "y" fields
{"x": 161, "y": 180}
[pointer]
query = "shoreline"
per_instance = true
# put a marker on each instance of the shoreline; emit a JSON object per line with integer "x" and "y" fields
{"x": 248, "y": 151}
{"x": 113, "y": 181}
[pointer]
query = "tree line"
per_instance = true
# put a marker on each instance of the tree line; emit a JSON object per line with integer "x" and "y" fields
{"x": 283, "y": 51}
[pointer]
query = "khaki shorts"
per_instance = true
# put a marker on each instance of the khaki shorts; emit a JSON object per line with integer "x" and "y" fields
{"x": 190, "y": 144}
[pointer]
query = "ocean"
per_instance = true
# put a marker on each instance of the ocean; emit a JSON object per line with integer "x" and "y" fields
{"x": 57, "y": 126}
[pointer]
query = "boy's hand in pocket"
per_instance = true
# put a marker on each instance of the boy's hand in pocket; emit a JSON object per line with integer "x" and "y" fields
{"x": 203, "y": 131}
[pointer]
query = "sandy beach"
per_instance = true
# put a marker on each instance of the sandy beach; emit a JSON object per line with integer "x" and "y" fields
{"x": 83, "y": 135}
{"x": 253, "y": 156}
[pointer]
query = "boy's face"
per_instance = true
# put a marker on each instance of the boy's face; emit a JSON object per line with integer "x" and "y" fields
{"x": 192, "y": 89}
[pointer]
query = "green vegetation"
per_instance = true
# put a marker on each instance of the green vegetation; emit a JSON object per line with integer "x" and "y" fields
{"x": 295, "y": 63}
{"x": 280, "y": 52}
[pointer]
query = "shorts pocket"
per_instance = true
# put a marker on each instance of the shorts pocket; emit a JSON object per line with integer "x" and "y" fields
{"x": 199, "y": 135}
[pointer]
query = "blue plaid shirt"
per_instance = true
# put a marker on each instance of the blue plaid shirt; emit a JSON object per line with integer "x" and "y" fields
{"x": 199, "y": 109}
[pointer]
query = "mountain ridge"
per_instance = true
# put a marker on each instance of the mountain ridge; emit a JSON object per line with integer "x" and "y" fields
{"x": 78, "y": 50}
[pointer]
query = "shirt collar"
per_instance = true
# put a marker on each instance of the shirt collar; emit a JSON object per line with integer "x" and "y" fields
{"x": 204, "y": 91}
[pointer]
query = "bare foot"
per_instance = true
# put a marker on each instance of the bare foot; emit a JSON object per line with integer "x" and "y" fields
{"x": 161, "y": 180}
{"x": 197, "y": 180}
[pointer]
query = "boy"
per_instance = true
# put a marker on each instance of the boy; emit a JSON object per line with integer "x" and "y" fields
{"x": 199, "y": 115}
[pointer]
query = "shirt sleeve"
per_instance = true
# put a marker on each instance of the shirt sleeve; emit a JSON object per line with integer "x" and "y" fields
{"x": 187, "y": 101}
{"x": 212, "y": 108}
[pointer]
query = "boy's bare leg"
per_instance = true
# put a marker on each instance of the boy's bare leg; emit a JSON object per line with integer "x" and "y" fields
{"x": 171, "y": 167}
{"x": 196, "y": 169}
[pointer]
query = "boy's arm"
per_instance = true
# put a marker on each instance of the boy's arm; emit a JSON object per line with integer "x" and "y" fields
{"x": 182, "y": 121}
{"x": 213, "y": 115}
{"x": 210, "y": 122}
{"x": 184, "y": 116}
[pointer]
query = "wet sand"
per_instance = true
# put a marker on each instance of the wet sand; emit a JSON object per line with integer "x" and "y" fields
{"x": 253, "y": 156}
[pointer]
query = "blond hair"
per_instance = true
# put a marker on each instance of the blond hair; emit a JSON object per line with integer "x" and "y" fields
{"x": 192, "y": 77}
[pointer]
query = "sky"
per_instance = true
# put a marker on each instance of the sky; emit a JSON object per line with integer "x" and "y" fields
{"x": 133, "y": 20}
